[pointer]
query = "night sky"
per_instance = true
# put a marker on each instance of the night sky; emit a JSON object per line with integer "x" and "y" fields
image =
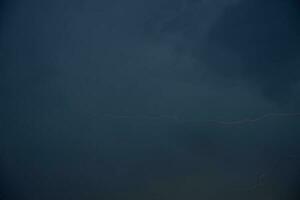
{"x": 154, "y": 100}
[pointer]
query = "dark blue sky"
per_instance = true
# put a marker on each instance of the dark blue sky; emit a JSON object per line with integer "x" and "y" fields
{"x": 151, "y": 100}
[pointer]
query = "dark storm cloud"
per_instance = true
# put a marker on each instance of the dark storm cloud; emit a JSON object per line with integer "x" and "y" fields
{"x": 266, "y": 37}
{"x": 3, "y": 7}
{"x": 102, "y": 98}
{"x": 250, "y": 40}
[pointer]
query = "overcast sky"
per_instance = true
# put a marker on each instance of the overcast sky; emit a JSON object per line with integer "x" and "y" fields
{"x": 136, "y": 99}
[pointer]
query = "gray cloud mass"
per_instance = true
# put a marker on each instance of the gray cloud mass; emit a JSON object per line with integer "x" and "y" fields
{"x": 124, "y": 99}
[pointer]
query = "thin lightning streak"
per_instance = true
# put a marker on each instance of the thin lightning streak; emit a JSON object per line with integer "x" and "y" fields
{"x": 265, "y": 116}
{"x": 261, "y": 178}
{"x": 176, "y": 118}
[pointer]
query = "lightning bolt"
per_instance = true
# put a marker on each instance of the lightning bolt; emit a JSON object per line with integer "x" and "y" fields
{"x": 180, "y": 119}
{"x": 259, "y": 118}
{"x": 262, "y": 178}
